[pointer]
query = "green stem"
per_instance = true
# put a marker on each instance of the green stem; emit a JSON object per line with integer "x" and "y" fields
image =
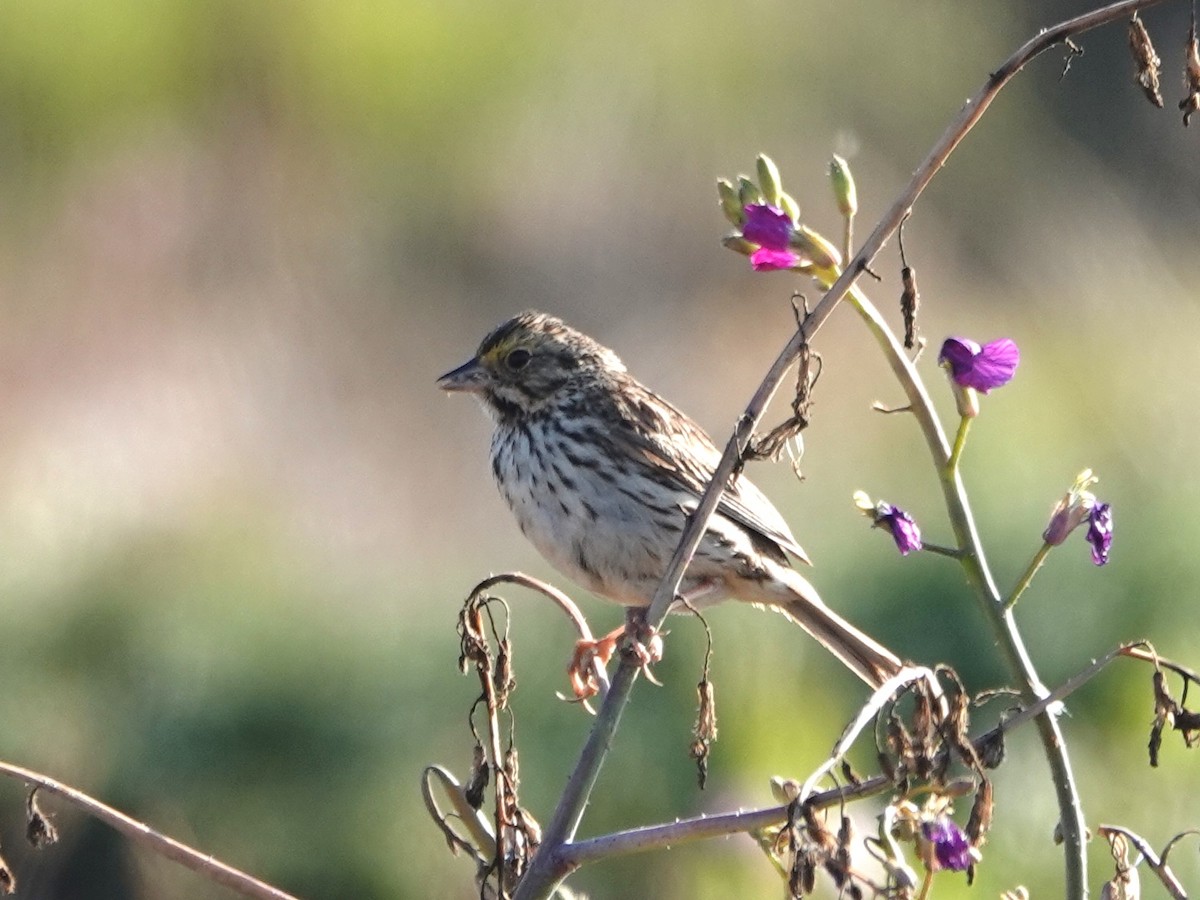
{"x": 979, "y": 577}
{"x": 926, "y": 884}
{"x": 847, "y": 236}
{"x": 1034, "y": 565}
{"x": 960, "y": 441}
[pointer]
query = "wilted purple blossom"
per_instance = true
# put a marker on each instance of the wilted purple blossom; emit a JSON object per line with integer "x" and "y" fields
{"x": 903, "y": 528}
{"x": 981, "y": 368}
{"x": 951, "y": 848}
{"x": 1077, "y": 506}
{"x": 1100, "y": 532}
{"x": 899, "y": 524}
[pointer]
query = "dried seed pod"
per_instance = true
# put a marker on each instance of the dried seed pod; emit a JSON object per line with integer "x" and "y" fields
{"x": 991, "y": 749}
{"x": 1146, "y": 60}
{"x": 910, "y": 296}
{"x": 39, "y": 829}
{"x": 478, "y": 782}
{"x": 980, "y": 821}
{"x": 1191, "y": 75}
{"x": 705, "y": 729}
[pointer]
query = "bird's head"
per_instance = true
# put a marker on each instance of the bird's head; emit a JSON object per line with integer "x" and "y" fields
{"x": 528, "y": 361}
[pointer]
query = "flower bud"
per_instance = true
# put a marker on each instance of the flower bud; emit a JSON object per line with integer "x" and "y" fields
{"x": 844, "y": 191}
{"x": 1071, "y": 510}
{"x": 738, "y": 244}
{"x": 789, "y": 205}
{"x": 731, "y": 205}
{"x": 784, "y": 790}
{"x": 748, "y": 192}
{"x": 768, "y": 178}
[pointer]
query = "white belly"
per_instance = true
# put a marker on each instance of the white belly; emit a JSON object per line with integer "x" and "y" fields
{"x": 587, "y": 526}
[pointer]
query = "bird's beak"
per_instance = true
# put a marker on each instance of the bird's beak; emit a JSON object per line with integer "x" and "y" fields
{"x": 470, "y": 377}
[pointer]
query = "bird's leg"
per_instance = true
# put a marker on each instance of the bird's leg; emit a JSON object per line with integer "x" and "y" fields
{"x": 585, "y": 655}
{"x": 643, "y": 643}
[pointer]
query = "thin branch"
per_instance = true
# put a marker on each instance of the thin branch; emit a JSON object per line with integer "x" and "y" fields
{"x": 548, "y": 867}
{"x": 141, "y": 833}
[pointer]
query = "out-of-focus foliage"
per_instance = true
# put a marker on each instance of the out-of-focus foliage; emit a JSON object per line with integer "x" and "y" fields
{"x": 238, "y": 241}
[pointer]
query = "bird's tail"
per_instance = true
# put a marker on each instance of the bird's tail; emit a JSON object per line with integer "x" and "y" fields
{"x": 792, "y": 595}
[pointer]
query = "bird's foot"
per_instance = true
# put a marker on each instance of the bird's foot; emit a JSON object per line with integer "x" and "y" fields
{"x": 642, "y": 643}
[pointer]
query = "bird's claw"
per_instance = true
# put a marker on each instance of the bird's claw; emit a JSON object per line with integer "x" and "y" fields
{"x": 643, "y": 644}
{"x": 586, "y": 656}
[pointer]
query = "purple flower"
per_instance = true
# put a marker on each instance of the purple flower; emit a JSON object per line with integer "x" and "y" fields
{"x": 1100, "y": 532}
{"x": 771, "y": 229}
{"x": 982, "y": 368}
{"x": 768, "y": 226}
{"x": 893, "y": 519}
{"x": 764, "y": 259}
{"x": 951, "y": 848}
{"x": 903, "y": 528}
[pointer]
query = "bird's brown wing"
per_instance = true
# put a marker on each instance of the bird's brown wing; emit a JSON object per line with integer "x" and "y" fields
{"x": 684, "y": 456}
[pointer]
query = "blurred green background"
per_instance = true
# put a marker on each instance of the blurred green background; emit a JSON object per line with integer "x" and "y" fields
{"x": 238, "y": 243}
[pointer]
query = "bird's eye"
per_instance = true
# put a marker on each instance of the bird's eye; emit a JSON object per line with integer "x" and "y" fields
{"x": 517, "y": 359}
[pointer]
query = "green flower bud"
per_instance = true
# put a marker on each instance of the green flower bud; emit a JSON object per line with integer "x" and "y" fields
{"x": 789, "y": 206}
{"x": 812, "y": 246}
{"x": 844, "y": 191}
{"x": 731, "y": 205}
{"x": 738, "y": 244}
{"x": 748, "y": 191}
{"x": 768, "y": 178}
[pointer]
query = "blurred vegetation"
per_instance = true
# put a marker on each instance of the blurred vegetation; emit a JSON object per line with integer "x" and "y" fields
{"x": 238, "y": 241}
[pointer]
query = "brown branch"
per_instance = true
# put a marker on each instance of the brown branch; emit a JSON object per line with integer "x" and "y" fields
{"x": 142, "y": 834}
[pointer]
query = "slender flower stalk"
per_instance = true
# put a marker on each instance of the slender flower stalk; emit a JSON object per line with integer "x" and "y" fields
{"x": 1027, "y": 577}
{"x": 960, "y": 441}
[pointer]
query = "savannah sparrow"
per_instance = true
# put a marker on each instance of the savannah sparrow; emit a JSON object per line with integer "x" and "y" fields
{"x": 601, "y": 472}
